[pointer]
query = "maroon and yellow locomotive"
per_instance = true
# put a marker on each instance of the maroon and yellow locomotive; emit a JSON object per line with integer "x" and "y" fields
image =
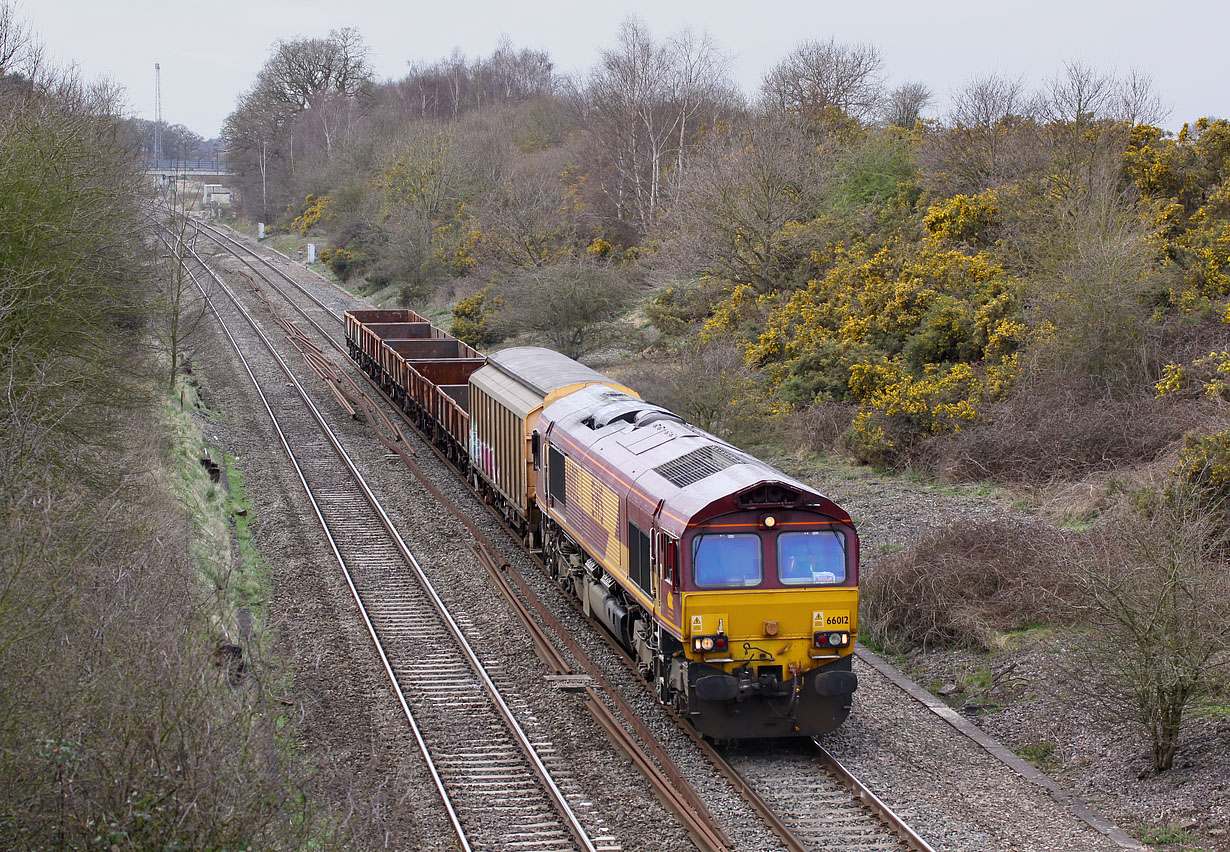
{"x": 733, "y": 586}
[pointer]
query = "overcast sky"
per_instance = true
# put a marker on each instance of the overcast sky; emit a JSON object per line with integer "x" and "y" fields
{"x": 210, "y": 52}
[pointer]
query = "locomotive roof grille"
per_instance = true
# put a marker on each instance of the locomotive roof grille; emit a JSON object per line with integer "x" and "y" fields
{"x": 698, "y": 464}
{"x": 627, "y": 409}
{"x": 769, "y": 494}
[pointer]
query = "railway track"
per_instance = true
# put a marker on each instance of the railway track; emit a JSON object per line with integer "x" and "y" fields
{"x": 823, "y": 807}
{"x": 826, "y": 807}
{"x": 602, "y": 700}
{"x": 498, "y": 776}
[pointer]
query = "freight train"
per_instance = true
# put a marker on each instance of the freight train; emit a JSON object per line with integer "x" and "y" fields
{"x": 733, "y": 586}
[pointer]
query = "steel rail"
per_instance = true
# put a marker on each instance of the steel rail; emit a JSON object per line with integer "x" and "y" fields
{"x": 438, "y": 782}
{"x": 674, "y": 791}
{"x": 497, "y": 699}
{"x": 873, "y": 802}
{"x": 217, "y": 235}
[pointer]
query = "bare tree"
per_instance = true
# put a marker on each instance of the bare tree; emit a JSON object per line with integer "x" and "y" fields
{"x": 300, "y": 72}
{"x": 524, "y": 220}
{"x": 700, "y": 81}
{"x": 519, "y": 75}
{"x": 906, "y": 103}
{"x": 742, "y": 189}
{"x": 17, "y": 46}
{"x": 701, "y": 384}
{"x": 1154, "y": 590}
{"x": 639, "y": 103}
{"x": 1086, "y": 129}
{"x": 991, "y": 137}
{"x": 177, "y": 313}
{"x": 1079, "y": 94}
{"x": 318, "y": 77}
{"x": 256, "y": 139}
{"x": 1139, "y": 103}
{"x": 820, "y": 76}
{"x": 451, "y": 86}
{"x": 625, "y": 105}
{"x": 568, "y": 306}
{"x": 991, "y": 101}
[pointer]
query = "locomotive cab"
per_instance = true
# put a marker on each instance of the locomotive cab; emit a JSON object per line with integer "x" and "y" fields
{"x": 770, "y": 616}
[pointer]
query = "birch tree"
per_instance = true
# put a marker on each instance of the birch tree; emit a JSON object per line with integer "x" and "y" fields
{"x": 641, "y": 103}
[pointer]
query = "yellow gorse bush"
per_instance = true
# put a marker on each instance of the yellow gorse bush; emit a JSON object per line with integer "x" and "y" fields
{"x": 454, "y": 243}
{"x": 1205, "y": 463}
{"x": 1186, "y": 178}
{"x": 314, "y": 206}
{"x": 964, "y": 218}
{"x": 1209, "y": 376}
{"x": 919, "y": 335}
{"x": 949, "y": 305}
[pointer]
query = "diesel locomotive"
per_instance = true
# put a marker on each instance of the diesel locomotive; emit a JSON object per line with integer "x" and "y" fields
{"x": 733, "y": 586}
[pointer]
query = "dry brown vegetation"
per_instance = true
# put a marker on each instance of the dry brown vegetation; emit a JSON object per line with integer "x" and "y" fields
{"x": 1051, "y": 430}
{"x": 1151, "y": 586}
{"x": 123, "y": 727}
{"x": 965, "y": 586}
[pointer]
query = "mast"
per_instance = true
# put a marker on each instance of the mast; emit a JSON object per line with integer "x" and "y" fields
{"x": 157, "y": 112}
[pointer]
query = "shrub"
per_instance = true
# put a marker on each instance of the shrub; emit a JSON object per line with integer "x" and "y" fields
{"x": 673, "y": 309}
{"x": 1152, "y": 586}
{"x": 1056, "y": 426}
{"x": 313, "y": 207}
{"x": 470, "y": 320}
{"x": 965, "y": 218}
{"x": 824, "y": 373}
{"x": 922, "y": 337}
{"x": 1204, "y": 465}
{"x": 569, "y": 306}
{"x": 963, "y": 586}
{"x": 901, "y": 410}
{"x": 819, "y": 427}
{"x": 344, "y": 262}
{"x": 708, "y": 385}
{"x": 1209, "y": 376}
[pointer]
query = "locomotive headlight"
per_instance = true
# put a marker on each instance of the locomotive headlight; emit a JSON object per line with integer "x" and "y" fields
{"x": 768, "y": 522}
{"x": 705, "y": 644}
{"x": 830, "y": 640}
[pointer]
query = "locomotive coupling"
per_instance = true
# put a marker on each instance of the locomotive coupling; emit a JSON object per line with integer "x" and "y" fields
{"x": 726, "y": 687}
